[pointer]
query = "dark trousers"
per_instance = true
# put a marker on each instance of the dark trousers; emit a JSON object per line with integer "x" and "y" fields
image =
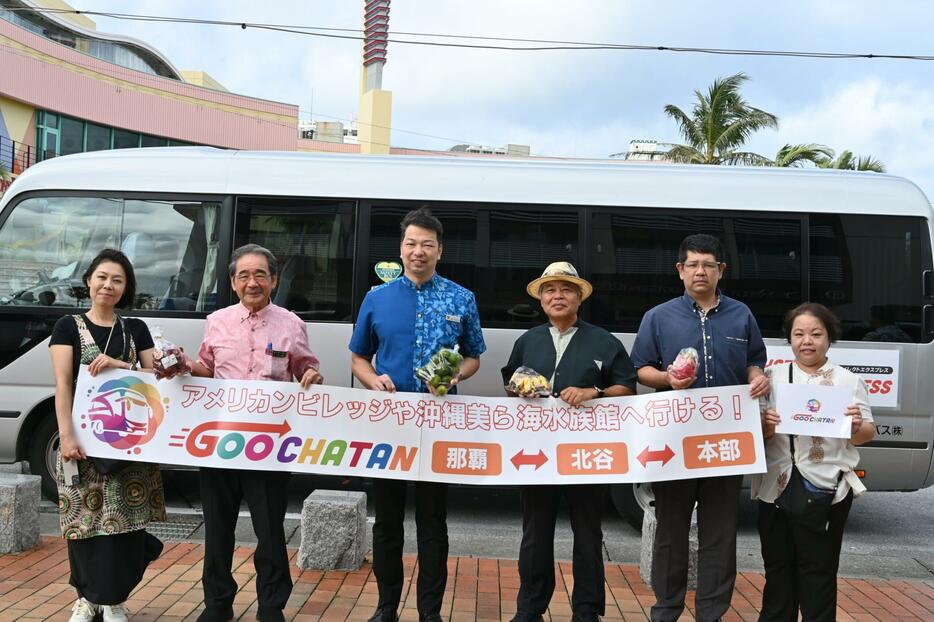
{"x": 265, "y": 494}
{"x": 800, "y": 565}
{"x": 431, "y": 513}
{"x": 537, "y": 552}
{"x": 717, "y": 501}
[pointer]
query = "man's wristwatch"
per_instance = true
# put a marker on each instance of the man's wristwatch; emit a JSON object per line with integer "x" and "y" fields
{"x": 599, "y": 392}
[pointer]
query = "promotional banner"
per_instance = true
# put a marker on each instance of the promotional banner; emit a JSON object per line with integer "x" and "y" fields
{"x": 813, "y": 410}
{"x": 878, "y": 367}
{"x": 415, "y": 436}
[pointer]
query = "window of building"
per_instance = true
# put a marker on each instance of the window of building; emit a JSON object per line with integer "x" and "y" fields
{"x": 124, "y": 139}
{"x": 61, "y": 135}
{"x": 152, "y": 141}
{"x": 47, "y": 243}
{"x": 71, "y": 138}
{"x": 313, "y": 242}
{"x": 122, "y": 54}
{"x": 97, "y": 137}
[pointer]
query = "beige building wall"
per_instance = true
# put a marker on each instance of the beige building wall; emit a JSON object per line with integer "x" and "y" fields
{"x": 202, "y": 78}
{"x": 82, "y": 21}
{"x": 19, "y": 119}
{"x": 374, "y": 121}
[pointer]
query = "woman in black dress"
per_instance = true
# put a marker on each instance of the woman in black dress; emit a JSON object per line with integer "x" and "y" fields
{"x": 104, "y": 515}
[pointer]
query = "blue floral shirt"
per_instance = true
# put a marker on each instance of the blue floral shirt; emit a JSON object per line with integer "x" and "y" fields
{"x": 403, "y": 325}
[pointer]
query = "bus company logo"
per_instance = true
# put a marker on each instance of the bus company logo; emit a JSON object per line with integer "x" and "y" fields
{"x": 813, "y": 406}
{"x": 125, "y": 413}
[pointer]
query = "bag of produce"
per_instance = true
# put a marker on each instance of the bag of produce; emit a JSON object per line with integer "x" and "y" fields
{"x": 685, "y": 365}
{"x": 168, "y": 359}
{"x": 441, "y": 369}
{"x": 526, "y": 382}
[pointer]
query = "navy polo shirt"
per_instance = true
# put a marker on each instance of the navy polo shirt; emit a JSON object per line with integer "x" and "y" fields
{"x": 727, "y": 340}
{"x": 404, "y": 325}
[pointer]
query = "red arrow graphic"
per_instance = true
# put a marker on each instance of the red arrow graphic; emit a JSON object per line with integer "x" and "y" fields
{"x": 200, "y": 445}
{"x": 282, "y": 428}
{"x": 523, "y": 458}
{"x": 663, "y": 455}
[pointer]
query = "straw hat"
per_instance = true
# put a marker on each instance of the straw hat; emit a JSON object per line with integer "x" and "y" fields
{"x": 559, "y": 271}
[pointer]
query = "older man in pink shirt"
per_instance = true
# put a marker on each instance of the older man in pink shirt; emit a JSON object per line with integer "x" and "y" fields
{"x": 251, "y": 340}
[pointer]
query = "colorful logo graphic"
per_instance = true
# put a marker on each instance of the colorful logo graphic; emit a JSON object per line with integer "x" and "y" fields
{"x": 126, "y": 412}
{"x": 813, "y": 405}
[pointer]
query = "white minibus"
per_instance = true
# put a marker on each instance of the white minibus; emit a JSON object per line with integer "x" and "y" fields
{"x": 859, "y": 243}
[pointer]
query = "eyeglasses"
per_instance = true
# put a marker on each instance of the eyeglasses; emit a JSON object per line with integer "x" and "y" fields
{"x": 709, "y": 266}
{"x": 259, "y": 277}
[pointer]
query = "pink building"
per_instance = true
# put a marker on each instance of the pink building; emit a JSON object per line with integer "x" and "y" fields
{"x": 67, "y": 88}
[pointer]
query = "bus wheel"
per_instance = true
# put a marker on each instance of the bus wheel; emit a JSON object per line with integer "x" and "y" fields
{"x": 631, "y": 501}
{"x": 43, "y": 447}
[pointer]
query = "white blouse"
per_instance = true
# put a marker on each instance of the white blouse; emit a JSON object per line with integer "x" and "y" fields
{"x": 820, "y": 460}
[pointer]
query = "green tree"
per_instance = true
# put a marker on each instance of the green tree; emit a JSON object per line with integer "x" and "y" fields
{"x": 797, "y": 155}
{"x": 719, "y": 125}
{"x": 4, "y": 173}
{"x": 848, "y": 161}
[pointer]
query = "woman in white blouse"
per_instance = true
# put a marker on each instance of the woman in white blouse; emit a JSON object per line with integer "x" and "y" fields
{"x": 801, "y": 563}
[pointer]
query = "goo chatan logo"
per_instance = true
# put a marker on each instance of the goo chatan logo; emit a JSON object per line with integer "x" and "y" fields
{"x": 125, "y": 413}
{"x": 813, "y": 406}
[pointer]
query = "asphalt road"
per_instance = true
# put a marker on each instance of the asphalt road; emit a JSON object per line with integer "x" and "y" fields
{"x": 889, "y": 535}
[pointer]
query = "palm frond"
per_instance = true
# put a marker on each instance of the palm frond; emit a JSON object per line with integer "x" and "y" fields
{"x": 686, "y": 125}
{"x": 797, "y": 155}
{"x": 746, "y": 157}
{"x": 868, "y": 163}
{"x": 687, "y": 154}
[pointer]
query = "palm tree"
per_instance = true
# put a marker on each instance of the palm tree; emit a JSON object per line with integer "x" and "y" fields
{"x": 4, "y": 173}
{"x": 797, "y": 155}
{"x": 719, "y": 125}
{"x": 847, "y": 160}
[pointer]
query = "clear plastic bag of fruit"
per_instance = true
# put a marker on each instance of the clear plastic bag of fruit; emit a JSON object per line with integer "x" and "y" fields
{"x": 168, "y": 360}
{"x": 441, "y": 369}
{"x": 526, "y": 382}
{"x": 685, "y": 364}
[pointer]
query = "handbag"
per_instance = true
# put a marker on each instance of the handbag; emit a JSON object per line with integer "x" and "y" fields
{"x": 803, "y": 503}
{"x": 110, "y": 466}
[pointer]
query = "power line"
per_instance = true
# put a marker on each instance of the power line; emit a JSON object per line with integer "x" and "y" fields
{"x": 528, "y": 45}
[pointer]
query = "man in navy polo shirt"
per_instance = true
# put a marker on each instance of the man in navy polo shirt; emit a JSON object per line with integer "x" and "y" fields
{"x": 730, "y": 352}
{"x": 403, "y": 323}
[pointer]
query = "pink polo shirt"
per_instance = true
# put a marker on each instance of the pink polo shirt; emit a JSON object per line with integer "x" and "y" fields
{"x": 270, "y": 344}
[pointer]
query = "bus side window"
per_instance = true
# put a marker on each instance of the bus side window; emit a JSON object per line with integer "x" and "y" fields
{"x": 867, "y": 270}
{"x": 633, "y": 255}
{"x": 313, "y": 241}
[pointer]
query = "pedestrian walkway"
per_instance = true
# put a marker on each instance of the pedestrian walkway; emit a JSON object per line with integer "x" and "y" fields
{"x": 34, "y": 586}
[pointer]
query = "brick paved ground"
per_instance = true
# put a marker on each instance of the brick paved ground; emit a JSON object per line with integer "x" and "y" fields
{"x": 34, "y": 586}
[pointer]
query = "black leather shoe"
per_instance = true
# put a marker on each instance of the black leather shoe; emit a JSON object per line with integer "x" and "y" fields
{"x": 585, "y": 617}
{"x": 525, "y": 617}
{"x": 270, "y": 615}
{"x": 431, "y": 617}
{"x": 386, "y": 613}
{"x": 216, "y": 615}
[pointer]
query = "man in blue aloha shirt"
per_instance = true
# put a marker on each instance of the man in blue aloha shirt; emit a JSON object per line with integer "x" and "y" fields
{"x": 403, "y": 323}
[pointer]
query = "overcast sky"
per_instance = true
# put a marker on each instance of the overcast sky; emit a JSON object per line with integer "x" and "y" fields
{"x": 581, "y": 103}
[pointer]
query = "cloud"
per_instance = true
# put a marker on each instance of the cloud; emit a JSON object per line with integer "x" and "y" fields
{"x": 578, "y": 103}
{"x": 891, "y": 120}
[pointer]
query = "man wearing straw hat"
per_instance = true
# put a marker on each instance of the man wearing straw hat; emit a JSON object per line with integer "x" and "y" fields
{"x": 583, "y": 362}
